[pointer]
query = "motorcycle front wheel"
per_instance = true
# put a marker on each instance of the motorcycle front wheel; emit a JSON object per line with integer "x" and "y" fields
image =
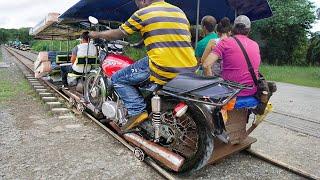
{"x": 95, "y": 92}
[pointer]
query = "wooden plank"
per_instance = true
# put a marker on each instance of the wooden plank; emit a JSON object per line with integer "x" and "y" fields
{"x": 222, "y": 150}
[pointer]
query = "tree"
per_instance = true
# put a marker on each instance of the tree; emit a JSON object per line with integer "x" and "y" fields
{"x": 313, "y": 54}
{"x": 283, "y": 37}
{"x": 21, "y": 34}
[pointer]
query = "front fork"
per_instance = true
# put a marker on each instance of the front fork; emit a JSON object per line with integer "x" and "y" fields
{"x": 95, "y": 80}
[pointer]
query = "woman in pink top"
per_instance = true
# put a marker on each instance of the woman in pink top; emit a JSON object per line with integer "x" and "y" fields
{"x": 234, "y": 66}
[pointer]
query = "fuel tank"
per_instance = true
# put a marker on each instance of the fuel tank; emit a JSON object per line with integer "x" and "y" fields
{"x": 114, "y": 63}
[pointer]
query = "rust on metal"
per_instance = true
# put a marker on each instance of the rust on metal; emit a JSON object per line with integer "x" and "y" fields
{"x": 159, "y": 153}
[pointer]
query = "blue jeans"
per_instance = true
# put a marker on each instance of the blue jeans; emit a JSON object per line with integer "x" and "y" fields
{"x": 125, "y": 83}
{"x": 64, "y": 74}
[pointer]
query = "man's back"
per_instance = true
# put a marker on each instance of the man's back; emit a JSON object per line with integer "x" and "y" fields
{"x": 82, "y": 51}
{"x": 234, "y": 66}
{"x": 166, "y": 34}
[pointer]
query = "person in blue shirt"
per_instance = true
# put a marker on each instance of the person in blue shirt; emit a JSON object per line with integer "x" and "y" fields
{"x": 208, "y": 24}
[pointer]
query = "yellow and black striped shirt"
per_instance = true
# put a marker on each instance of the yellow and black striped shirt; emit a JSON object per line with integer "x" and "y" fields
{"x": 165, "y": 29}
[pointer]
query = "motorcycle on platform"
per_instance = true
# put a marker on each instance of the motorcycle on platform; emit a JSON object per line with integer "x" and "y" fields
{"x": 184, "y": 115}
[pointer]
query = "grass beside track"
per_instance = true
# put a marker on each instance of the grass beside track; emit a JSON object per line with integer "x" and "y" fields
{"x": 304, "y": 76}
{"x": 11, "y": 88}
{"x": 10, "y": 84}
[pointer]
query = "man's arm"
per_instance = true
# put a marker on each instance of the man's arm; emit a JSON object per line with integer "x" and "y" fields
{"x": 207, "y": 64}
{"x": 208, "y": 50}
{"x": 113, "y": 34}
{"x": 74, "y": 54}
{"x": 73, "y": 58}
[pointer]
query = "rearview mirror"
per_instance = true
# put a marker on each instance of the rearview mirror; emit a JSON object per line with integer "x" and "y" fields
{"x": 93, "y": 20}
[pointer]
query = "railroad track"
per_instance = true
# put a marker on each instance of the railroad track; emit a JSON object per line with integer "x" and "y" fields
{"x": 28, "y": 64}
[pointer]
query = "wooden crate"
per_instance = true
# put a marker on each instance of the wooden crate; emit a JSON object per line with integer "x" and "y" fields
{"x": 236, "y": 125}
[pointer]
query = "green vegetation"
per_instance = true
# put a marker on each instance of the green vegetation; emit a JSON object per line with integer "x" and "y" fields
{"x": 304, "y": 76}
{"x": 9, "y": 88}
{"x": 47, "y": 45}
{"x": 135, "y": 53}
{"x": 313, "y": 55}
{"x": 1, "y": 55}
{"x": 21, "y": 34}
{"x": 283, "y": 37}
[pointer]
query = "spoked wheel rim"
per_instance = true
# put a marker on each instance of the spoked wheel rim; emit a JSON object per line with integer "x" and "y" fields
{"x": 94, "y": 95}
{"x": 185, "y": 133}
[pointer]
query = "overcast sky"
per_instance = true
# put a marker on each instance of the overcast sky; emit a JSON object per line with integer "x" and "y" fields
{"x": 27, "y": 13}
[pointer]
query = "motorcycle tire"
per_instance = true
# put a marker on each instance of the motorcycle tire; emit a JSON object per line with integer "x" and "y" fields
{"x": 86, "y": 93}
{"x": 205, "y": 139}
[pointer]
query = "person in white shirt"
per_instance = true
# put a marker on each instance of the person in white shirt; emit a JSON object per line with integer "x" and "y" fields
{"x": 83, "y": 50}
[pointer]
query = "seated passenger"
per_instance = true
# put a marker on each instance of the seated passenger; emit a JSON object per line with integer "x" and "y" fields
{"x": 80, "y": 51}
{"x": 208, "y": 24}
{"x": 224, "y": 31}
{"x": 234, "y": 65}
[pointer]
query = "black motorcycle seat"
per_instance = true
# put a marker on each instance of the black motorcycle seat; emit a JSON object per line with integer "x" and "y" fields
{"x": 184, "y": 83}
{"x": 193, "y": 84}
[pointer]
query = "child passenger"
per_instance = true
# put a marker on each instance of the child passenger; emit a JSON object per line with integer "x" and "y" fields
{"x": 224, "y": 31}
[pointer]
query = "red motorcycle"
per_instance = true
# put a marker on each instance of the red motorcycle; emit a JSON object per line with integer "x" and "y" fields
{"x": 184, "y": 115}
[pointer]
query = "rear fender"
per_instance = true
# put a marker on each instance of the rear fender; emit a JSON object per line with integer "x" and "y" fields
{"x": 201, "y": 108}
{"x": 205, "y": 111}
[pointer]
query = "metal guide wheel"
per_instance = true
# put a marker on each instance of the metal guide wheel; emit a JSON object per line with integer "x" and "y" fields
{"x": 139, "y": 154}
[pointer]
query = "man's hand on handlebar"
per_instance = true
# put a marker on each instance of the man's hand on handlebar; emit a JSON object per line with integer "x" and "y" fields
{"x": 113, "y": 34}
{"x": 93, "y": 35}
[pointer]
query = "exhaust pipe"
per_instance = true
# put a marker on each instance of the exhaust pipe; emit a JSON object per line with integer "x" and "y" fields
{"x": 157, "y": 152}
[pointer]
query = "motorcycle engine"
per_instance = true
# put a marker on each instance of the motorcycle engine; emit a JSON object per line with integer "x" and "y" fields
{"x": 109, "y": 109}
{"x": 114, "y": 111}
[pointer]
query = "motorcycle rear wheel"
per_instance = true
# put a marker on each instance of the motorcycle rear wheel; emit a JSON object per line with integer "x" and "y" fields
{"x": 204, "y": 143}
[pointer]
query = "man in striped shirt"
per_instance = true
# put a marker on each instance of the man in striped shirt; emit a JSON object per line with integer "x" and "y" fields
{"x": 165, "y": 30}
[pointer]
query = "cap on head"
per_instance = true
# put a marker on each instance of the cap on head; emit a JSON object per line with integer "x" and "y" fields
{"x": 242, "y": 19}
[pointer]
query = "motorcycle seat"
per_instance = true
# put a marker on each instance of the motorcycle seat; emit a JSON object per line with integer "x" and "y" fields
{"x": 201, "y": 86}
{"x": 189, "y": 82}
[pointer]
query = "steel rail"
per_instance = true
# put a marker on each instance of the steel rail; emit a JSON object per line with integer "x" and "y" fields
{"x": 282, "y": 165}
{"x": 153, "y": 164}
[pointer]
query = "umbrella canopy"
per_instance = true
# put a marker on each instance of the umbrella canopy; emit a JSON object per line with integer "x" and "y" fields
{"x": 121, "y": 10}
